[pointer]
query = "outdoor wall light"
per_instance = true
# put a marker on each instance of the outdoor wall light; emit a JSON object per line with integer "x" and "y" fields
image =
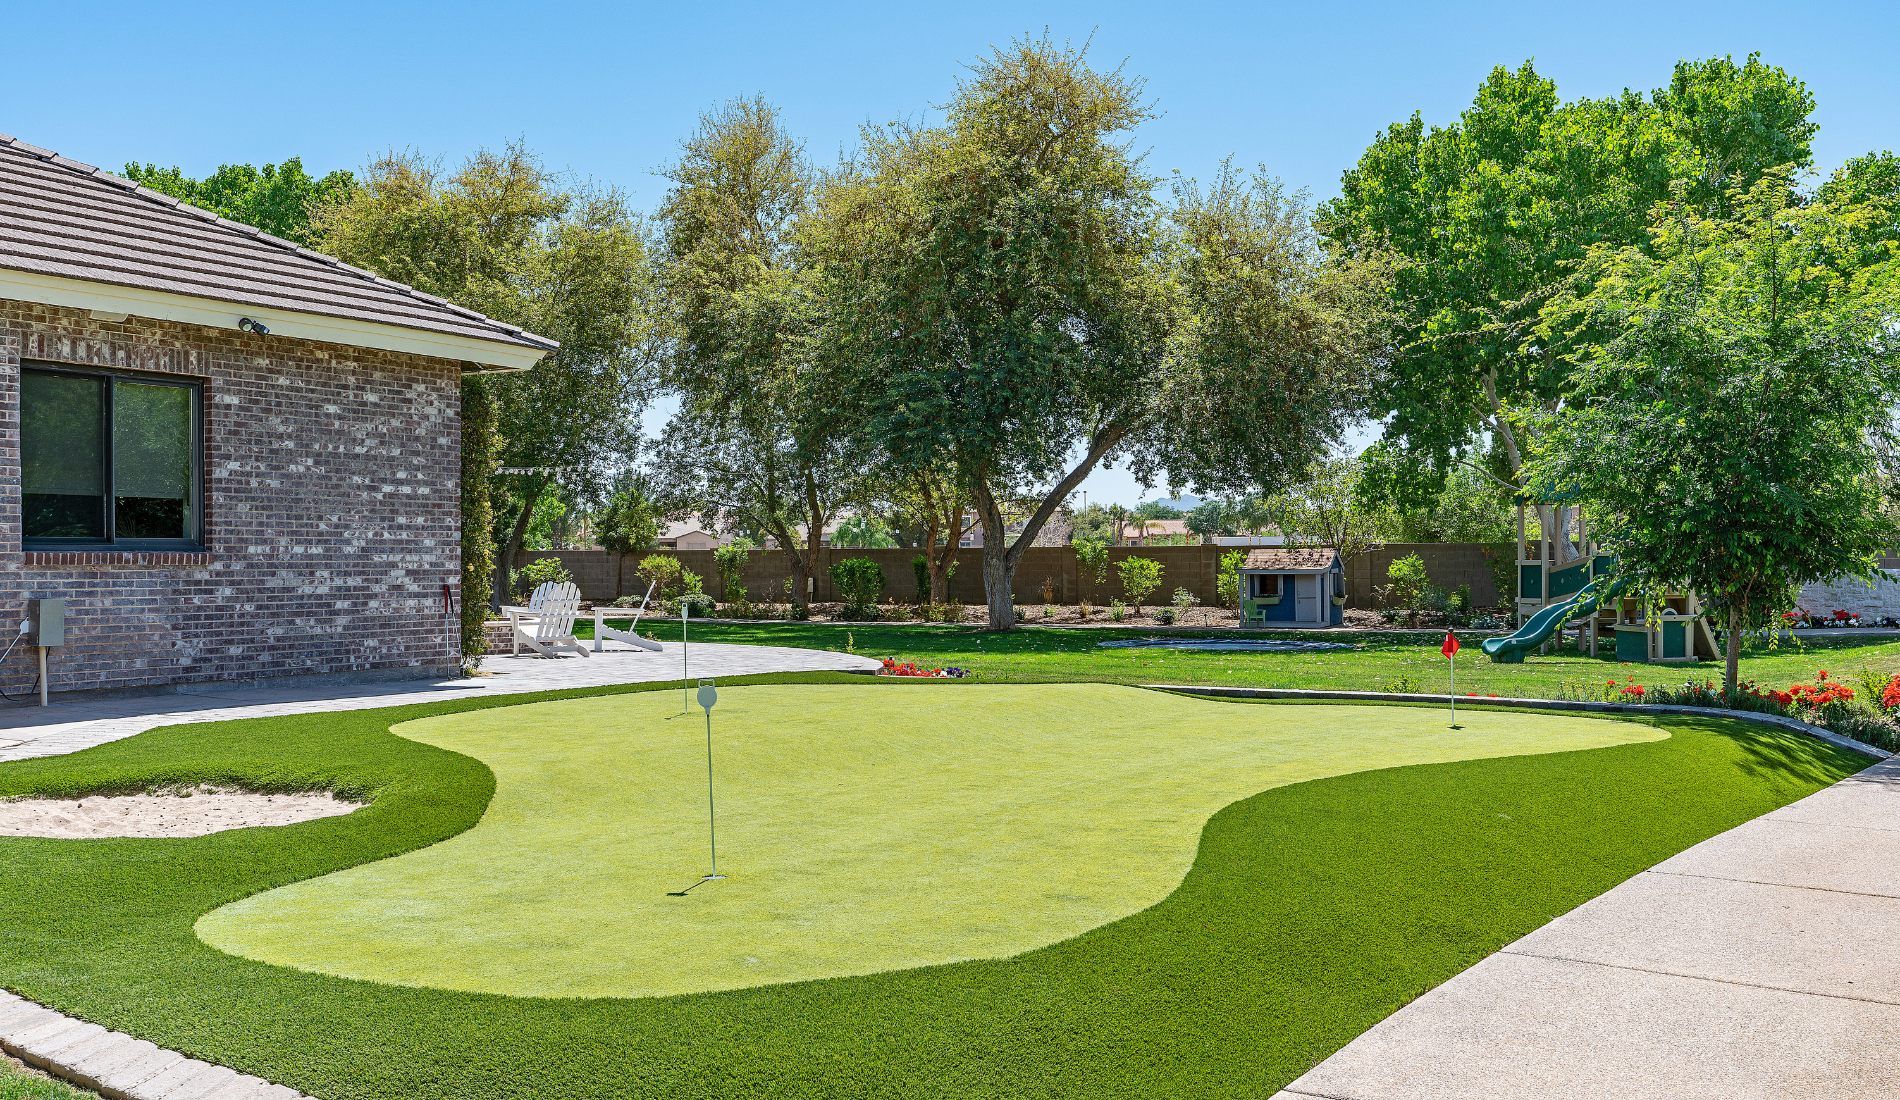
{"x": 248, "y": 325}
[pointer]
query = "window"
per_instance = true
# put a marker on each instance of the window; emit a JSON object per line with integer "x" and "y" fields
{"x": 109, "y": 459}
{"x": 1266, "y": 584}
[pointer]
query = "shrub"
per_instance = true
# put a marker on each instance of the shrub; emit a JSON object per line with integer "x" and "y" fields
{"x": 1091, "y": 556}
{"x": 1164, "y": 616}
{"x": 1227, "y": 581}
{"x": 920, "y": 567}
{"x": 539, "y": 572}
{"x": 663, "y": 572}
{"x": 1404, "y": 685}
{"x": 731, "y": 562}
{"x": 1460, "y": 601}
{"x": 1116, "y": 610}
{"x": 1183, "y": 600}
{"x": 1140, "y": 576}
{"x": 860, "y": 582}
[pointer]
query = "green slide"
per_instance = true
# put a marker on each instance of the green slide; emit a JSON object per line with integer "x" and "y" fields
{"x": 1510, "y": 649}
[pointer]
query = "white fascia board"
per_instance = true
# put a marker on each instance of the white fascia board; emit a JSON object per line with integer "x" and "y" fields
{"x": 108, "y": 298}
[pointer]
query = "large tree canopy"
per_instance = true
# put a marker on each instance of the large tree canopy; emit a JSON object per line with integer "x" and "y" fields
{"x": 757, "y": 444}
{"x": 276, "y": 198}
{"x": 1495, "y": 211}
{"x": 1010, "y": 295}
{"x": 503, "y": 236}
{"x": 1733, "y": 431}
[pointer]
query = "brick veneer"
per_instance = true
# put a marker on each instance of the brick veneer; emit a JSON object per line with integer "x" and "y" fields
{"x": 332, "y": 519}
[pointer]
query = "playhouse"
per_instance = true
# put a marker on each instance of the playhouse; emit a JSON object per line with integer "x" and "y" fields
{"x": 1292, "y": 586}
{"x": 1560, "y": 575}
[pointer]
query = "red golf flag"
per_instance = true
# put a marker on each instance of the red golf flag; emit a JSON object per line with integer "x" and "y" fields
{"x": 1451, "y": 644}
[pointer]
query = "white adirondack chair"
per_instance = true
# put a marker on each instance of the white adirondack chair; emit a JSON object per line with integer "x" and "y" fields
{"x": 546, "y": 625}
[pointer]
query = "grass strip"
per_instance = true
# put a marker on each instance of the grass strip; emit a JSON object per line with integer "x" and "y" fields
{"x": 1311, "y": 911}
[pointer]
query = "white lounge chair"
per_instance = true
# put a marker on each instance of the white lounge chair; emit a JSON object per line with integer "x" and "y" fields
{"x": 602, "y": 631}
{"x": 546, "y": 625}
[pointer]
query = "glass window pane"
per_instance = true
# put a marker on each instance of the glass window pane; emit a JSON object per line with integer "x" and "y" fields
{"x": 62, "y": 478}
{"x": 151, "y": 460}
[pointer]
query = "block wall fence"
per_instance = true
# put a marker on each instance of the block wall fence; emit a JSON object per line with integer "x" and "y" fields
{"x": 603, "y": 576}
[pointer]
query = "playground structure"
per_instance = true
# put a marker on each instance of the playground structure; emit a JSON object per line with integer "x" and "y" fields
{"x": 1564, "y": 579}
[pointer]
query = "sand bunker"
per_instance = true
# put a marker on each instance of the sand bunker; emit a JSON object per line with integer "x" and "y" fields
{"x": 192, "y": 812}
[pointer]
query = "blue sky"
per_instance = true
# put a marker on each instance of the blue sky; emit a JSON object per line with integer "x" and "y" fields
{"x": 606, "y": 91}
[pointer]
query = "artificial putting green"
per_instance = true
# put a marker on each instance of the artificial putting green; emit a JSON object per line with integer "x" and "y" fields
{"x": 860, "y": 833}
{"x": 1312, "y": 911}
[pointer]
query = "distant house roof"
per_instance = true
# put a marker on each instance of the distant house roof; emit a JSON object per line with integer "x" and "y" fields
{"x": 1290, "y": 559}
{"x": 70, "y": 233}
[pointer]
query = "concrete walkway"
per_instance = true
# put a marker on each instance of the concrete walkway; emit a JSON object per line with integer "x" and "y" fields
{"x": 77, "y": 721}
{"x": 1757, "y": 964}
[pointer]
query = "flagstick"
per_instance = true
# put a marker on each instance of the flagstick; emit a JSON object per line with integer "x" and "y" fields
{"x": 1453, "y": 658}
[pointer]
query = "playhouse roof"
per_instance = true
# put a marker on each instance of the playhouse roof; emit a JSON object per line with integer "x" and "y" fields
{"x": 65, "y": 221}
{"x": 1290, "y": 559}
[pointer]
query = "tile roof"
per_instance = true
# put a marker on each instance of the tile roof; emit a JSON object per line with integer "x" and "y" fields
{"x": 63, "y": 218}
{"x": 1291, "y": 558}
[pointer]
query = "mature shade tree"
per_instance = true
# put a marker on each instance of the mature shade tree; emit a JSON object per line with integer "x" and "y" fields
{"x": 276, "y": 198}
{"x": 936, "y": 501}
{"x": 1009, "y": 294}
{"x": 757, "y": 443}
{"x": 1731, "y": 432}
{"x": 1328, "y": 507}
{"x": 1495, "y": 210}
{"x": 502, "y": 236}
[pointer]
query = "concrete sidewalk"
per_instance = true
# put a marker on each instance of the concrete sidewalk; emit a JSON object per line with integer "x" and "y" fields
{"x": 78, "y": 722}
{"x": 1754, "y": 965}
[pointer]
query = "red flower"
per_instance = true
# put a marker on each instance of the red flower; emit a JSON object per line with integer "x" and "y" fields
{"x": 1636, "y": 690}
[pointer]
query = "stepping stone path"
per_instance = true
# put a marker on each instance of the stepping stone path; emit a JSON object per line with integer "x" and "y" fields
{"x": 116, "y": 1064}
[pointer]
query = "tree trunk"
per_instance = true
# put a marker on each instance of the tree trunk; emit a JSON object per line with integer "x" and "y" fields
{"x": 942, "y": 558}
{"x": 1734, "y": 649}
{"x": 999, "y": 573}
{"x": 505, "y": 561}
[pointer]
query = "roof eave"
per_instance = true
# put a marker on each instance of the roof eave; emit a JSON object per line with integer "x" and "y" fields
{"x": 114, "y": 299}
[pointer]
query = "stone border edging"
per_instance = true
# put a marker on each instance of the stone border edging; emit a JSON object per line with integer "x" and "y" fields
{"x": 117, "y": 1065}
{"x": 1776, "y": 720}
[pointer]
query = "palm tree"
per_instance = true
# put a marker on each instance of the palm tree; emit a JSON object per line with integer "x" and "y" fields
{"x": 1118, "y": 516}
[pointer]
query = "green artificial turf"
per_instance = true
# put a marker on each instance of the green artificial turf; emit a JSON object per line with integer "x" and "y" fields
{"x": 1055, "y": 654}
{"x": 856, "y": 838}
{"x": 1312, "y": 911}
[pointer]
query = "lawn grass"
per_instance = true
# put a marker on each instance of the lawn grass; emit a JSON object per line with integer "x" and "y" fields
{"x": 840, "y": 823}
{"x": 19, "y": 1084}
{"x": 1054, "y": 654}
{"x": 1311, "y": 911}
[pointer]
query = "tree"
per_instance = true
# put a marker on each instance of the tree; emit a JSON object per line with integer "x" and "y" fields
{"x": 629, "y": 522}
{"x": 1140, "y": 576}
{"x": 1092, "y": 556}
{"x": 1329, "y": 509}
{"x": 864, "y": 531}
{"x": 935, "y": 499}
{"x": 1213, "y": 518}
{"x": 1493, "y": 213}
{"x": 1732, "y": 434}
{"x": 275, "y": 198}
{"x": 732, "y": 561}
{"x": 1008, "y": 292}
{"x": 757, "y": 441}
{"x": 500, "y": 236}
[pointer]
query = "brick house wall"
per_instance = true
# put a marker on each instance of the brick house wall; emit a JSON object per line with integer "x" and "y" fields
{"x": 331, "y": 514}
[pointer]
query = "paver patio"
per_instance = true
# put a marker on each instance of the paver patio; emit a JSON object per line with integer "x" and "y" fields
{"x": 77, "y": 722}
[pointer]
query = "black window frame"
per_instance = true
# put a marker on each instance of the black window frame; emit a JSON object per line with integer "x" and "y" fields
{"x": 111, "y": 541}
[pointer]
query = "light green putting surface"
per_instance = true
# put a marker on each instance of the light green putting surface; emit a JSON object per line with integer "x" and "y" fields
{"x": 863, "y": 829}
